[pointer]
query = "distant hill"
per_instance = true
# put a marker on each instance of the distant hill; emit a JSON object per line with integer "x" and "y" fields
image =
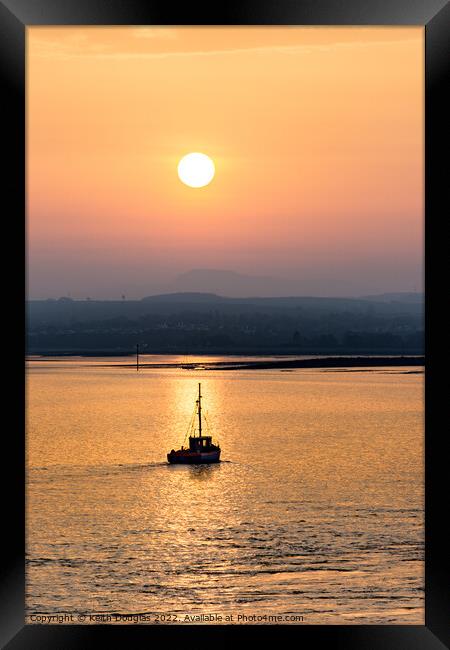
{"x": 188, "y": 296}
{"x": 231, "y": 283}
{"x": 406, "y": 297}
{"x": 67, "y": 311}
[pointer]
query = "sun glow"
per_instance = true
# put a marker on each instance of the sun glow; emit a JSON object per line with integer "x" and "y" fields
{"x": 196, "y": 169}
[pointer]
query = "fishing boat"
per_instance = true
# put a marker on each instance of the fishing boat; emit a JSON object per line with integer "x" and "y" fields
{"x": 201, "y": 448}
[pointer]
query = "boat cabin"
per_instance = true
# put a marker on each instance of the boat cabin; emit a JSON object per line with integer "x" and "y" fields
{"x": 200, "y": 443}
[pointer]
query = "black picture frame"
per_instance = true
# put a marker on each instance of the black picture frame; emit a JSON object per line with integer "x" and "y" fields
{"x": 15, "y": 16}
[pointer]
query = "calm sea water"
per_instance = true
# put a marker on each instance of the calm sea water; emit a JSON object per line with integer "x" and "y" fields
{"x": 316, "y": 511}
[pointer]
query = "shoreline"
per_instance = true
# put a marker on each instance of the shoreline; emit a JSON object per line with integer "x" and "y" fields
{"x": 292, "y": 364}
{"x": 340, "y": 362}
{"x": 330, "y": 362}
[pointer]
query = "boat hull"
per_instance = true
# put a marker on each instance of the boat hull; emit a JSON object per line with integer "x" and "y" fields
{"x": 193, "y": 458}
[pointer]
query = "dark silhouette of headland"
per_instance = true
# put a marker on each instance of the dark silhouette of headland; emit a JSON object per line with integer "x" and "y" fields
{"x": 206, "y": 323}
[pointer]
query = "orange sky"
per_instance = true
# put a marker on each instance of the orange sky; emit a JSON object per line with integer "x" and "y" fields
{"x": 316, "y": 134}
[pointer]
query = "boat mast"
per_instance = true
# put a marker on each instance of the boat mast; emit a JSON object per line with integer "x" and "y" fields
{"x": 199, "y": 411}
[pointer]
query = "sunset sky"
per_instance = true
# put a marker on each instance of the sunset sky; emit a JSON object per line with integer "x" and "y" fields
{"x": 316, "y": 135}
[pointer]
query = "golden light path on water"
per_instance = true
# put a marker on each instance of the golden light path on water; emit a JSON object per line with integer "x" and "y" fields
{"x": 317, "y": 509}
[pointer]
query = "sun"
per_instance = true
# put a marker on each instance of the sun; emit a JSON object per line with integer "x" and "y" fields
{"x": 196, "y": 169}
